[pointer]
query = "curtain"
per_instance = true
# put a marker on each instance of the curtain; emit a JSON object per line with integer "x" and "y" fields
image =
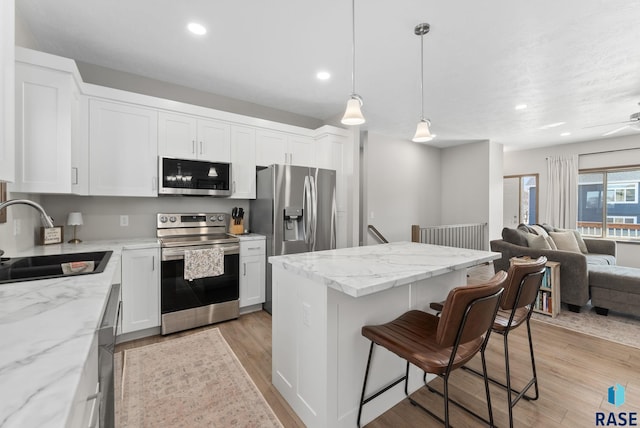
{"x": 562, "y": 191}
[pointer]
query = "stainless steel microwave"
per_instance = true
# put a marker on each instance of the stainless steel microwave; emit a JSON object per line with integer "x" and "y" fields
{"x": 193, "y": 177}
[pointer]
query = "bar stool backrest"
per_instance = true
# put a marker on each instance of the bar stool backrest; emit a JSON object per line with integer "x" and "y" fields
{"x": 478, "y": 303}
{"x": 522, "y": 284}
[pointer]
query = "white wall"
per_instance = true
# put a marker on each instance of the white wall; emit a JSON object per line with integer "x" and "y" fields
{"x": 401, "y": 186}
{"x": 617, "y": 152}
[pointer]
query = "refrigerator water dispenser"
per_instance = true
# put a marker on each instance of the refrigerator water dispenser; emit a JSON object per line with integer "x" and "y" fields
{"x": 293, "y": 226}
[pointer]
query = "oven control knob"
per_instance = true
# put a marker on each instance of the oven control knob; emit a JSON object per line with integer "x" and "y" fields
{"x": 220, "y": 217}
{"x": 172, "y": 219}
{"x": 163, "y": 219}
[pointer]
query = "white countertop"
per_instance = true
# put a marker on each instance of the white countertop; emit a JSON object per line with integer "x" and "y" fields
{"x": 359, "y": 271}
{"x": 250, "y": 237}
{"x": 46, "y": 330}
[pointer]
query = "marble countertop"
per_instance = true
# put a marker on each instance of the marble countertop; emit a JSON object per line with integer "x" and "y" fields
{"x": 47, "y": 327}
{"x": 250, "y": 237}
{"x": 359, "y": 271}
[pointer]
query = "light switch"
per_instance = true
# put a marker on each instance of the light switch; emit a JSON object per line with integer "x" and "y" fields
{"x": 124, "y": 220}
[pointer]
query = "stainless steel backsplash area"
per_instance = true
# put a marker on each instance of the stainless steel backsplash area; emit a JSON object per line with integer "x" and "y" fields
{"x": 101, "y": 216}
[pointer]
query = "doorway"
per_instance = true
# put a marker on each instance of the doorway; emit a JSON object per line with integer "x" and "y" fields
{"x": 520, "y": 199}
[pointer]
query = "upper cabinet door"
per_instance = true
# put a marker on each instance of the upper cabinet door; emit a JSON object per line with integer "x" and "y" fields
{"x": 243, "y": 162}
{"x": 177, "y": 136}
{"x": 300, "y": 150}
{"x": 123, "y": 149}
{"x": 7, "y": 105}
{"x": 271, "y": 148}
{"x": 43, "y": 132}
{"x": 214, "y": 141}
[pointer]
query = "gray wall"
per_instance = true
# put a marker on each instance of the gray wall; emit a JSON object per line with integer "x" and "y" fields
{"x": 401, "y": 186}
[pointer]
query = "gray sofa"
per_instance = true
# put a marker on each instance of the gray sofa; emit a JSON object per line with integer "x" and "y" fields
{"x": 574, "y": 266}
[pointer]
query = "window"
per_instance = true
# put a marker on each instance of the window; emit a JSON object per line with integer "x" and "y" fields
{"x": 617, "y": 216}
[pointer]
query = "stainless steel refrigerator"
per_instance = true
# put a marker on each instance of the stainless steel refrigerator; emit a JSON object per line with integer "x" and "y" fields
{"x": 295, "y": 208}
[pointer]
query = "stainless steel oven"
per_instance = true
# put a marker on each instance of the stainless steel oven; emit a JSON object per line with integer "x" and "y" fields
{"x": 185, "y": 303}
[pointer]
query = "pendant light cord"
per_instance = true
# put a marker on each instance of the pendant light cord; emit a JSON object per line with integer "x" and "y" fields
{"x": 422, "y": 74}
{"x": 353, "y": 46}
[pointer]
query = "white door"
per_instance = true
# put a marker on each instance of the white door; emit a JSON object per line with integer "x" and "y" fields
{"x": 511, "y": 202}
{"x": 43, "y": 134}
{"x": 301, "y": 151}
{"x": 177, "y": 135}
{"x": 140, "y": 289}
{"x": 271, "y": 148}
{"x": 243, "y": 162}
{"x": 123, "y": 149}
{"x": 214, "y": 141}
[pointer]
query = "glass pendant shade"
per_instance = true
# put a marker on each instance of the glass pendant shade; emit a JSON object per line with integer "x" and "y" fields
{"x": 353, "y": 114}
{"x": 423, "y": 133}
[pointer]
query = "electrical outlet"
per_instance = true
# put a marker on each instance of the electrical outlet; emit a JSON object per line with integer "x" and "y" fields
{"x": 124, "y": 220}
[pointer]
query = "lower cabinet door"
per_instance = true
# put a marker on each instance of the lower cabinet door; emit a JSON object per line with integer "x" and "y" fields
{"x": 252, "y": 280}
{"x": 140, "y": 289}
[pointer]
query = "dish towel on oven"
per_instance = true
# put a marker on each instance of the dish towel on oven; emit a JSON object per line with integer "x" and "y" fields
{"x": 203, "y": 263}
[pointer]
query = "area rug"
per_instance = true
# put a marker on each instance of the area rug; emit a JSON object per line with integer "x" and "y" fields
{"x": 616, "y": 327}
{"x": 190, "y": 381}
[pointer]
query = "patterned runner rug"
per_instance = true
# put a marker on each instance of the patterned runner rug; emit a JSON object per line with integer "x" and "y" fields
{"x": 616, "y": 327}
{"x": 190, "y": 381}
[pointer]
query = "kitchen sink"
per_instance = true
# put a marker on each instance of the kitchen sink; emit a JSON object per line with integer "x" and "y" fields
{"x": 44, "y": 267}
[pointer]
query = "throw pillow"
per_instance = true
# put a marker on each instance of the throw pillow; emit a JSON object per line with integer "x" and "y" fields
{"x": 537, "y": 242}
{"x": 565, "y": 241}
{"x": 581, "y": 244}
{"x": 550, "y": 242}
{"x": 539, "y": 230}
{"x": 515, "y": 237}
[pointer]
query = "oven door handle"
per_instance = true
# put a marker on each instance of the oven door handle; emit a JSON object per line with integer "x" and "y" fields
{"x": 177, "y": 253}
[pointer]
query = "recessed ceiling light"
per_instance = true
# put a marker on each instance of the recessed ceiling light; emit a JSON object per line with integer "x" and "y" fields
{"x": 323, "y": 75}
{"x": 521, "y": 106}
{"x": 565, "y": 134}
{"x": 552, "y": 125}
{"x": 196, "y": 28}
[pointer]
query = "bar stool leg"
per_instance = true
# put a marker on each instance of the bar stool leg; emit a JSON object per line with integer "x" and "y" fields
{"x": 364, "y": 386}
{"x": 533, "y": 366}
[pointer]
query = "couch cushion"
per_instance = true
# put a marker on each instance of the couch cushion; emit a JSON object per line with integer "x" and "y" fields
{"x": 619, "y": 278}
{"x": 537, "y": 242}
{"x": 581, "y": 244}
{"x": 600, "y": 259}
{"x": 514, "y": 236}
{"x": 565, "y": 241}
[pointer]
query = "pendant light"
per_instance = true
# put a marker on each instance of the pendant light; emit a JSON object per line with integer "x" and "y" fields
{"x": 423, "y": 133}
{"x": 353, "y": 114}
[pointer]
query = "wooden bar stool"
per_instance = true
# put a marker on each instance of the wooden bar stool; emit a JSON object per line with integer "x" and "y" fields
{"x": 440, "y": 345}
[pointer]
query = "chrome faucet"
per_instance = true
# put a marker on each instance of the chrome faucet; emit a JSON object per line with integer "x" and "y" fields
{"x": 46, "y": 220}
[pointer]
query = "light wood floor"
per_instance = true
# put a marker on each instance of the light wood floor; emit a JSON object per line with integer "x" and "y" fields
{"x": 574, "y": 372}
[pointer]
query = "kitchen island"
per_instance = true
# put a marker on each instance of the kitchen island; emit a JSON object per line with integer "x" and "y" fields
{"x": 322, "y": 299}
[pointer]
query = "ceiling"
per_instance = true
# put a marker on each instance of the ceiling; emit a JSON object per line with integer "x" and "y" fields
{"x": 571, "y": 61}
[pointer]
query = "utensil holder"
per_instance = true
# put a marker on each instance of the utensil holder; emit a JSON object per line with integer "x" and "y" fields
{"x": 236, "y": 229}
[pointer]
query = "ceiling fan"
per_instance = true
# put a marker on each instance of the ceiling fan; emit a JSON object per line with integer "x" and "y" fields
{"x": 633, "y": 123}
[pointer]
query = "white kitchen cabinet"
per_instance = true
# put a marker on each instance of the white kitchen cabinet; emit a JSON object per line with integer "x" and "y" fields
{"x": 273, "y": 147}
{"x": 46, "y": 102}
{"x": 252, "y": 271}
{"x": 243, "y": 162}
{"x": 123, "y": 149}
{"x": 187, "y": 137}
{"x": 140, "y": 289}
{"x": 7, "y": 106}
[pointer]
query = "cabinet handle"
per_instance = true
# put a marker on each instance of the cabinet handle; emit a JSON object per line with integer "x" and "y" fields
{"x": 153, "y": 263}
{"x": 193, "y": 146}
{"x": 291, "y": 158}
{"x": 200, "y": 147}
{"x": 234, "y": 187}
{"x": 154, "y": 182}
{"x": 74, "y": 174}
{"x": 253, "y": 248}
{"x": 244, "y": 265}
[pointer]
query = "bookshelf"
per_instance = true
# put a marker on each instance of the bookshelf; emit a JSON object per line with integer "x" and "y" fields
{"x": 548, "y": 300}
